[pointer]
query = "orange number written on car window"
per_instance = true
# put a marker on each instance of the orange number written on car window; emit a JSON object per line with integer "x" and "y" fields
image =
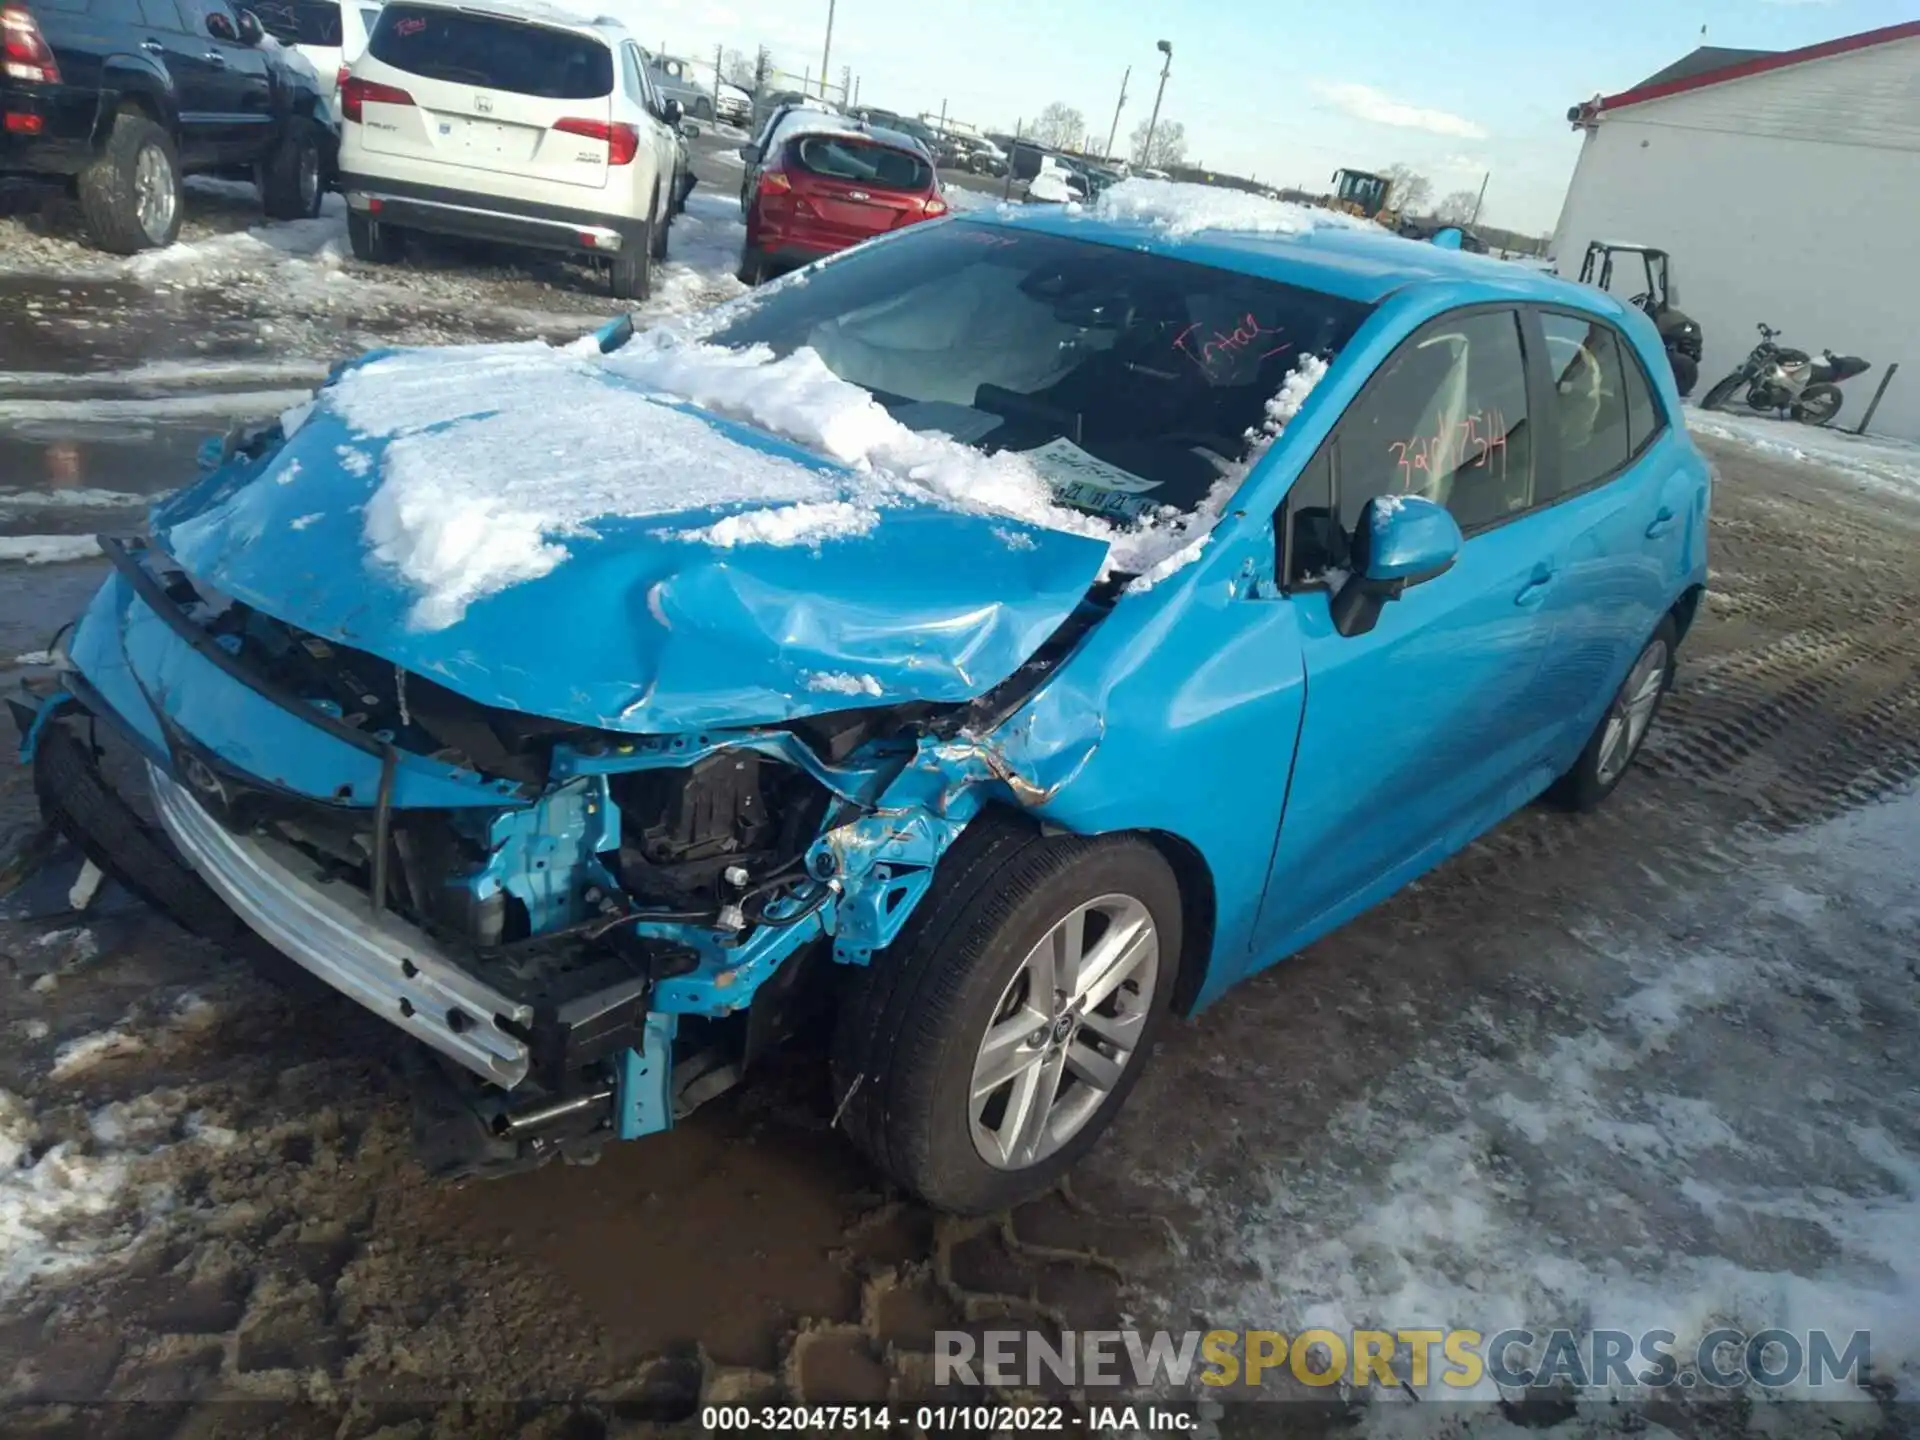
{"x": 1476, "y": 442}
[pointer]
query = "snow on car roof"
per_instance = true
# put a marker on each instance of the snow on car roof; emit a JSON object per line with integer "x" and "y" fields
{"x": 1183, "y": 209}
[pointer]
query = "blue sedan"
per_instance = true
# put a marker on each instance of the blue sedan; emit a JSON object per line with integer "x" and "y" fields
{"x": 1001, "y": 636}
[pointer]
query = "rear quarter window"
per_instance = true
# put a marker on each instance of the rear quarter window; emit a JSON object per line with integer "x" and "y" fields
{"x": 492, "y": 54}
{"x": 840, "y": 157}
{"x": 300, "y": 22}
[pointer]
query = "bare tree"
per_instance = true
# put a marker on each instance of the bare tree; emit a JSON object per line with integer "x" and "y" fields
{"x": 737, "y": 69}
{"x": 1060, "y": 127}
{"x": 1456, "y": 208}
{"x": 1409, "y": 189}
{"x": 1169, "y": 145}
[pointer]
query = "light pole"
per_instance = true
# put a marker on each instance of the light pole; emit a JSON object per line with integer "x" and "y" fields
{"x": 826, "y": 52}
{"x": 1165, "y": 47}
{"x": 1114, "y": 129}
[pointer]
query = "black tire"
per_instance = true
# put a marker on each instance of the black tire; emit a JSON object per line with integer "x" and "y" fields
{"x": 293, "y": 179}
{"x": 1590, "y": 781}
{"x": 1719, "y": 393}
{"x": 753, "y": 266}
{"x": 657, "y": 245}
{"x": 109, "y": 186}
{"x": 1818, "y": 404}
{"x": 1686, "y": 373}
{"x": 630, "y": 272}
{"x": 372, "y": 242}
{"x": 911, "y": 1021}
{"x": 75, "y": 798}
{"x": 703, "y": 109}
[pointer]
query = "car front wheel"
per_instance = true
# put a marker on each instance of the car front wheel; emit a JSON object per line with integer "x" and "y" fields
{"x": 985, "y": 1051}
{"x": 1617, "y": 739}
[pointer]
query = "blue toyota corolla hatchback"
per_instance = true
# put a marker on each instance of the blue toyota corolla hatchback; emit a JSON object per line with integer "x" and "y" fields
{"x": 991, "y": 640}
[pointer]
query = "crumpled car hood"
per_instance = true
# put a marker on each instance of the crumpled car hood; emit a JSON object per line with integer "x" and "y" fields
{"x": 640, "y": 628}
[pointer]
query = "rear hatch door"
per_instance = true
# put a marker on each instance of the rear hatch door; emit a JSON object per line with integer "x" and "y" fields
{"x": 492, "y": 93}
{"x": 848, "y": 188}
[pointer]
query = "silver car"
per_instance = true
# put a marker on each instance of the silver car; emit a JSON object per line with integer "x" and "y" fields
{"x": 681, "y": 80}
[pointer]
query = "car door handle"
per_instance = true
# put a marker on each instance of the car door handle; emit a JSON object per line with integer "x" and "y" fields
{"x": 1535, "y": 590}
{"x": 216, "y": 59}
{"x": 1663, "y": 521}
{"x": 153, "y": 47}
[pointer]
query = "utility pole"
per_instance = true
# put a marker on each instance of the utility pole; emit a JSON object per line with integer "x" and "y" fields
{"x": 943, "y": 115}
{"x": 1114, "y": 129}
{"x": 1165, "y": 47}
{"x": 826, "y": 52}
{"x": 1480, "y": 199}
{"x": 719, "y": 62}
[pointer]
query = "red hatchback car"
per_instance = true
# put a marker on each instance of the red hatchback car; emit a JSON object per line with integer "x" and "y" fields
{"x": 820, "y": 184}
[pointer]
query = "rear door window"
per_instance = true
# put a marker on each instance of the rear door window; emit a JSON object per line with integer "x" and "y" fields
{"x": 161, "y": 15}
{"x": 841, "y": 157}
{"x": 300, "y": 22}
{"x": 464, "y": 48}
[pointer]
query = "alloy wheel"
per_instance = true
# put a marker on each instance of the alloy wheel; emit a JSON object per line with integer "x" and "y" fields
{"x": 153, "y": 193}
{"x": 1632, "y": 711}
{"x": 1065, "y": 1029}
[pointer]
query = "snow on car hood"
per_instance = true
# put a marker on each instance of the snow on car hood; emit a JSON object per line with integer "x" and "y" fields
{"x": 539, "y": 531}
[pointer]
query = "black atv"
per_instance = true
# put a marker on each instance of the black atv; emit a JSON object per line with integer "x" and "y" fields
{"x": 1679, "y": 332}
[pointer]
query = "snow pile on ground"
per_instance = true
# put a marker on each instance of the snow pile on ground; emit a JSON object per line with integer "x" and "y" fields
{"x": 1630, "y": 1175}
{"x": 48, "y": 549}
{"x": 90, "y": 1050}
{"x": 1181, "y": 209}
{"x": 1876, "y": 461}
{"x": 40, "y": 1196}
{"x": 322, "y": 240}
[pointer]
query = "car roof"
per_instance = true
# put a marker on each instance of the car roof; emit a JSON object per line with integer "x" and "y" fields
{"x": 791, "y": 127}
{"x": 536, "y": 12}
{"x": 1356, "y": 262}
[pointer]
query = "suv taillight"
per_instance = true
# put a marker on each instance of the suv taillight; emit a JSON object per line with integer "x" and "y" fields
{"x": 774, "y": 182}
{"x": 340, "y": 79}
{"x": 623, "y": 141}
{"x": 356, "y": 94}
{"x": 935, "y": 206}
{"x": 23, "y": 50}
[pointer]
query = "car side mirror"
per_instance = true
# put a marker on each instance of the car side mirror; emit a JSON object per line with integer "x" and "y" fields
{"x": 689, "y": 129}
{"x": 220, "y": 26}
{"x": 1399, "y": 540}
{"x": 671, "y": 111}
{"x": 750, "y": 154}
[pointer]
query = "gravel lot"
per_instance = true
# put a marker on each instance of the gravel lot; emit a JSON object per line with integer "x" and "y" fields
{"x": 1653, "y": 1066}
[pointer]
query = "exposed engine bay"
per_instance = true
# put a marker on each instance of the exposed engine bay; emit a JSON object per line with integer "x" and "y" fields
{"x": 598, "y": 929}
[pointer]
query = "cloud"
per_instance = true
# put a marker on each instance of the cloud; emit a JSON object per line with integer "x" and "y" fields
{"x": 1363, "y": 102}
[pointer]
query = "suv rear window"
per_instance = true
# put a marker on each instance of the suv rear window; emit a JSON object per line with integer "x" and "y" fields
{"x": 841, "y": 157}
{"x": 300, "y": 22}
{"x": 467, "y": 49}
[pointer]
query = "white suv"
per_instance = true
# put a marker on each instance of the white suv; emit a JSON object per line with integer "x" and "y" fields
{"x": 511, "y": 121}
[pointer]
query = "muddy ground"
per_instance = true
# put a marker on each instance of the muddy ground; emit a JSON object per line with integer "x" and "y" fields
{"x": 220, "y": 1204}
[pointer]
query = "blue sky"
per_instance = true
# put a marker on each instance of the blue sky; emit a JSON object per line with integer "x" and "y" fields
{"x": 1284, "y": 89}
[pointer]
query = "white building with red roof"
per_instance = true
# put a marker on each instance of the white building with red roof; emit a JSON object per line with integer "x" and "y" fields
{"x": 1786, "y": 187}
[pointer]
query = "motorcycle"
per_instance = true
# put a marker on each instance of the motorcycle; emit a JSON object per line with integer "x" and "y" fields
{"x": 1779, "y": 377}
